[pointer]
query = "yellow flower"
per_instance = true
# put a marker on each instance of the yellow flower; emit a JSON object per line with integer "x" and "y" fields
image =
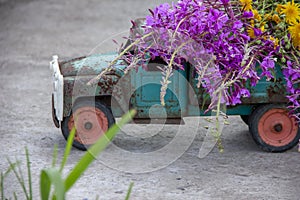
{"x": 276, "y": 18}
{"x": 247, "y": 4}
{"x": 262, "y": 27}
{"x": 275, "y": 41}
{"x": 291, "y": 11}
{"x": 295, "y": 34}
{"x": 250, "y": 32}
{"x": 279, "y": 8}
{"x": 268, "y": 17}
{"x": 256, "y": 15}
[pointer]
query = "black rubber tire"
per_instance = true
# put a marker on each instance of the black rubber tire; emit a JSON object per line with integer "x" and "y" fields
{"x": 83, "y": 103}
{"x": 245, "y": 119}
{"x": 254, "y": 119}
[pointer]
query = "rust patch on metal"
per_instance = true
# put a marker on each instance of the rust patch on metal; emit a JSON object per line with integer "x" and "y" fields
{"x": 106, "y": 84}
{"x": 86, "y": 70}
{"x": 66, "y": 69}
{"x": 277, "y": 93}
{"x": 76, "y": 87}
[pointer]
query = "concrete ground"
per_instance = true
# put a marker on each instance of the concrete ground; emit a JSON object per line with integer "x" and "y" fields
{"x": 32, "y": 31}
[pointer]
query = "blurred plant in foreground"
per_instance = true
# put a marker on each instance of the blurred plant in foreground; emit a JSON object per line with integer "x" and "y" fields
{"x": 52, "y": 183}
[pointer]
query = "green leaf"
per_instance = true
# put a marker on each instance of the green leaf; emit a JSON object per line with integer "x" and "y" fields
{"x": 54, "y": 158}
{"x": 2, "y": 185}
{"x": 45, "y": 186}
{"x": 68, "y": 148}
{"x": 129, "y": 191}
{"x": 206, "y": 97}
{"x": 15, "y": 196}
{"x": 95, "y": 150}
{"x": 19, "y": 176}
{"x": 29, "y": 173}
{"x": 53, "y": 177}
{"x": 3, "y": 176}
{"x": 274, "y": 75}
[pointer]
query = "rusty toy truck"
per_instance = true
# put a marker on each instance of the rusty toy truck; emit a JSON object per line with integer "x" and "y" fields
{"x": 97, "y": 105}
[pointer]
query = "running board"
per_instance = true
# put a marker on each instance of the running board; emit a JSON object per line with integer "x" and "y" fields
{"x": 175, "y": 121}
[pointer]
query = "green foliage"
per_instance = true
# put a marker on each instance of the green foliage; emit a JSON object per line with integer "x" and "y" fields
{"x": 52, "y": 176}
{"x": 3, "y": 176}
{"x": 15, "y": 167}
{"x": 52, "y": 184}
{"x": 129, "y": 191}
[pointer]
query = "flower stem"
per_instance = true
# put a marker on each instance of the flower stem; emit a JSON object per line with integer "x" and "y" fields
{"x": 118, "y": 57}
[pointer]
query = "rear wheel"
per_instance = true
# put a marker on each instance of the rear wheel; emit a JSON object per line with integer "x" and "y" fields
{"x": 273, "y": 129}
{"x": 91, "y": 119}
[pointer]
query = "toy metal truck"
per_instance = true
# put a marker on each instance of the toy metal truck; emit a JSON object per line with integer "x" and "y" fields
{"x": 97, "y": 105}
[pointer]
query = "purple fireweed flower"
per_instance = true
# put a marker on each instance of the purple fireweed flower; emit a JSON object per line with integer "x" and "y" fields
{"x": 224, "y": 1}
{"x": 248, "y": 14}
{"x": 237, "y": 25}
{"x": 292, "y": 72}
{"x": 267, "y": 65}
{"x": 213, "y": 29}
{"x": 292, "y": 77}
{"x": 245, "y": 92}
{"x": 245, "y": 37}
{"x": 235, "y": 98}
{"x": 257, "y": 32}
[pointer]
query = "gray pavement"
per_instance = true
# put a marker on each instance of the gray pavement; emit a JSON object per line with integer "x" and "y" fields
{"x": 31, "y": 31}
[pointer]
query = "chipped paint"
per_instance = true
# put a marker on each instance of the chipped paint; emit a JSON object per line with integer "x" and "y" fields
{"x": 78, "y": 72}
{"x": 90, "y": 65}
{"x": 76, "y": 87}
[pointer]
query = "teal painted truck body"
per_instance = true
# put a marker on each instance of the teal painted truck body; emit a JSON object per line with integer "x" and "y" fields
{"x": 183, "y": 98}
{"x": 100, "y": 101}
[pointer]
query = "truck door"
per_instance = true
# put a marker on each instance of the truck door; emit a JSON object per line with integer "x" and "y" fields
{"x": 146, "y": 98}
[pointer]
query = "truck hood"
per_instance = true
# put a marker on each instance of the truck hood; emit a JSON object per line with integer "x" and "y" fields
{"x": 90, "y": 65}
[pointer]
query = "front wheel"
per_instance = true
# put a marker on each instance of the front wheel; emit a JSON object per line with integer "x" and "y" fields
{"x": 273, "y": 129}
{"x": 245, "y": 119}
{"x": 91, "y": 119}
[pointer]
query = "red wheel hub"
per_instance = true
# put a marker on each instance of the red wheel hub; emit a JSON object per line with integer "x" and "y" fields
{"x": 277, "y": 128}
{"x": 90, "y": 122}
